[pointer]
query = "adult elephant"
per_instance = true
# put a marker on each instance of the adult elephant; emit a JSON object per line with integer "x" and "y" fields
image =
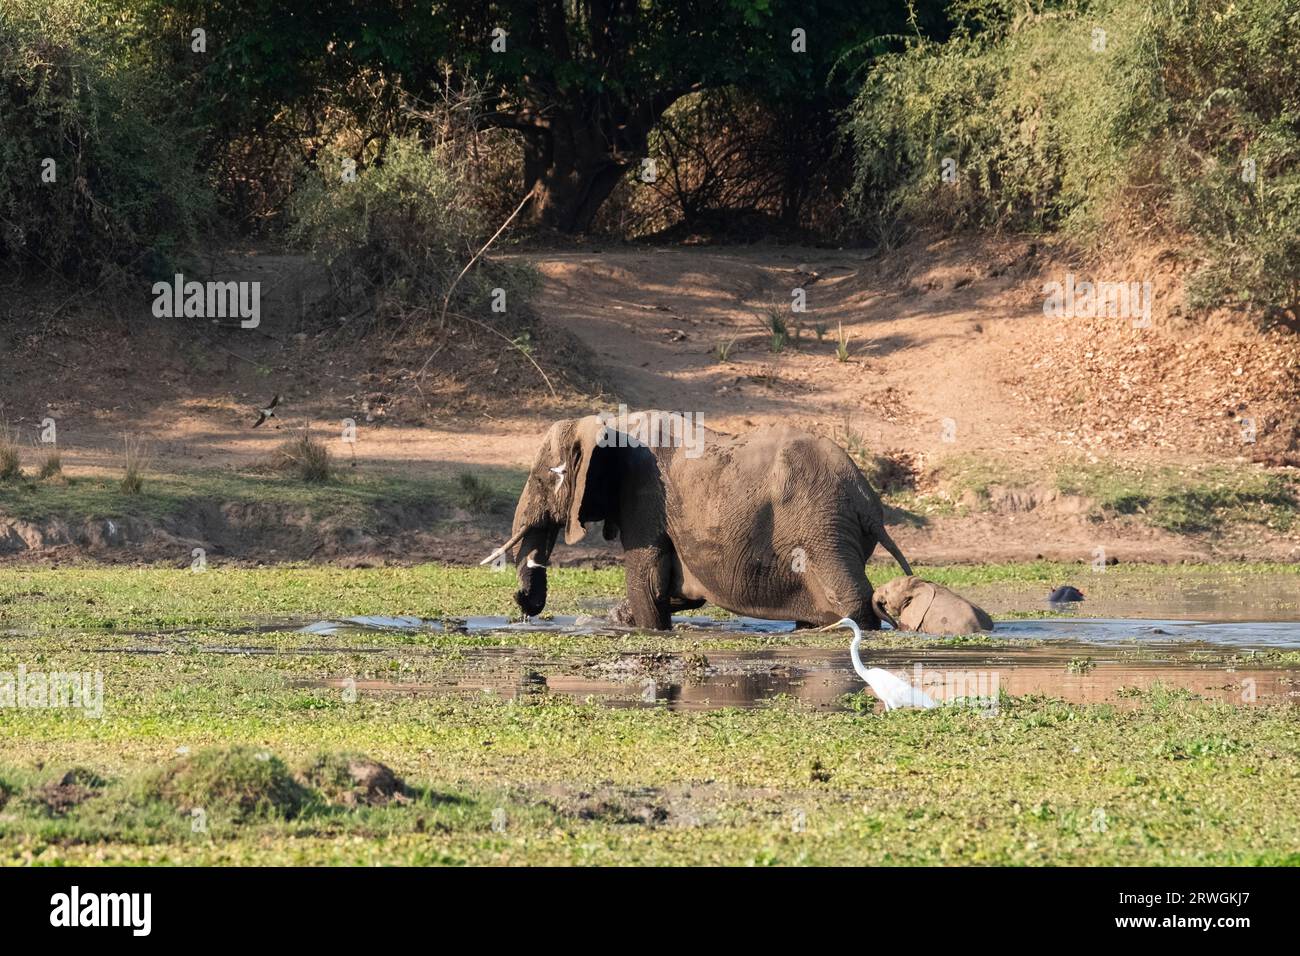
{"x": 774, "y": 524}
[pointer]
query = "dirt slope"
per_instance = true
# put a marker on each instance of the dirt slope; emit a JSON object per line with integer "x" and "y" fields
{"x": 950, "y": 357}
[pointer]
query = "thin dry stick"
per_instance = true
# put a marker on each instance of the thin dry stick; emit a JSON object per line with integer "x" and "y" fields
{"x": 442, "y": 318}
{"x": 522, "y": 351}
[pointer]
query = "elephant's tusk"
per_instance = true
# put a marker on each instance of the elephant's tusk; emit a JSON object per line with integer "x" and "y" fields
{"x": 514, "y": 539}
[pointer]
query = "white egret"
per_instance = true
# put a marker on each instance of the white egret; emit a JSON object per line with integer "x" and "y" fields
{"x": 894, "y": 691}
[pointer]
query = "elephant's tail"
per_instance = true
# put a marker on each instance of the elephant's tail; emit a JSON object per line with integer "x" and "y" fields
{"x": 893, "y": 549}
{"x": 871, "y": 516}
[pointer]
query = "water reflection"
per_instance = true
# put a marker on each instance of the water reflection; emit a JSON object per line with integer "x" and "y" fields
{"x": 821, "y": 678}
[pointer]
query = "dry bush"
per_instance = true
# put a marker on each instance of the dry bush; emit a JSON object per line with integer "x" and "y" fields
{"x": 51, "y": 466}
{"x": 84, "y": 88}
{"x": 135, "y": 459}
{"x": 10, "y": 461}
{"x": 306, "y": 457}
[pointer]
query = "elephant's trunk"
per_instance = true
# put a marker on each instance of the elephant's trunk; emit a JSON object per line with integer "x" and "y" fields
{"x": 531, "y": 596}
{"x": 878, "y": 606}
{"x": 534, "y": 554}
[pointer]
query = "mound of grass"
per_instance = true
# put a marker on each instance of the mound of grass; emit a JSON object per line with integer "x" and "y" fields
{"x": 135, "y": 459}
{"x": 352, "y": 779}
{"x": 51, "y": 466}
{"x": 306, "y": 457}
{"x": 10, "y": 465}
{"x": 1182, "y": 500}
{"x": 237, "y": 783}
{"x": 57, "y": 796}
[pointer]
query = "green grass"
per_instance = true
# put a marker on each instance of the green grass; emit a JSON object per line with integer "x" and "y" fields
{"x": 307, "y": 458}
{"x": 127, "y": 599}
{"x": 132, "y": 599}
{"x": 482, "y": 497}
{"x": 1169, "y": 782}
{"x": 167, "y": 494}
{"x": 255, "y": 742}
{"x": 1186, "y": 499}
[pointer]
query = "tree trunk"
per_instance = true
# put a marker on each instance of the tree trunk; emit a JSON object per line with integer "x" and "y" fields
{"x": 574, "y": 171}
{"x": 568, "y": 197}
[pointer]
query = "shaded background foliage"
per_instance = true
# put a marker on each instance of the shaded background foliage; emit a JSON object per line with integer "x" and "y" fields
{"x": 79, "y": 87}
{"x": 157, "y": 144}
{"x": 1147, "y": 137}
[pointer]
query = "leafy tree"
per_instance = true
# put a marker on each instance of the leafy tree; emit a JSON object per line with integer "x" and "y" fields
{"x": 582, "y": 81}
{"x": 585, "y": 82}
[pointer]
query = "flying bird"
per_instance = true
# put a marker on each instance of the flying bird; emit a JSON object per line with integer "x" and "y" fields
{"x": 893, "y": 691}
{"x": 269, "y": 412}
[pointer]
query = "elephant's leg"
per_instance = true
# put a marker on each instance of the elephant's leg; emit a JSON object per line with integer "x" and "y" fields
{"x": 621, "y": 613}
{"x": 648, "y": 601}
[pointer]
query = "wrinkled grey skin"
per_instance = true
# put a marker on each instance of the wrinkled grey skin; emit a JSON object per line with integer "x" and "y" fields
{"x": 912, "y": 604}
{"x": 776, "y": 524}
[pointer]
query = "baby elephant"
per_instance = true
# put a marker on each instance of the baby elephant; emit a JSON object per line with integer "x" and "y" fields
{"x": 911, "y": 604}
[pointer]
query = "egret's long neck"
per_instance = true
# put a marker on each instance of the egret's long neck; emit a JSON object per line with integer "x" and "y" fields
{"x": 857, "y": 658}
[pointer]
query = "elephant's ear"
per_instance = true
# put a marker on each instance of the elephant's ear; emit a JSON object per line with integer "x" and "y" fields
{"x": 593, "y": 464}
{"x": 912, "y": 616}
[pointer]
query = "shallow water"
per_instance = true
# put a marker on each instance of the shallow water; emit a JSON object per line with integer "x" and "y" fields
{"x": 822, "y": 678}
{"x": 1086, "y": 630}
{"x": 1127, "y": 637}
{"x": 559, "y": 623}
{"x": 1234, "y": 634}
{"x": 1208, "y": 597}
{"x": 1115, "y": 645}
